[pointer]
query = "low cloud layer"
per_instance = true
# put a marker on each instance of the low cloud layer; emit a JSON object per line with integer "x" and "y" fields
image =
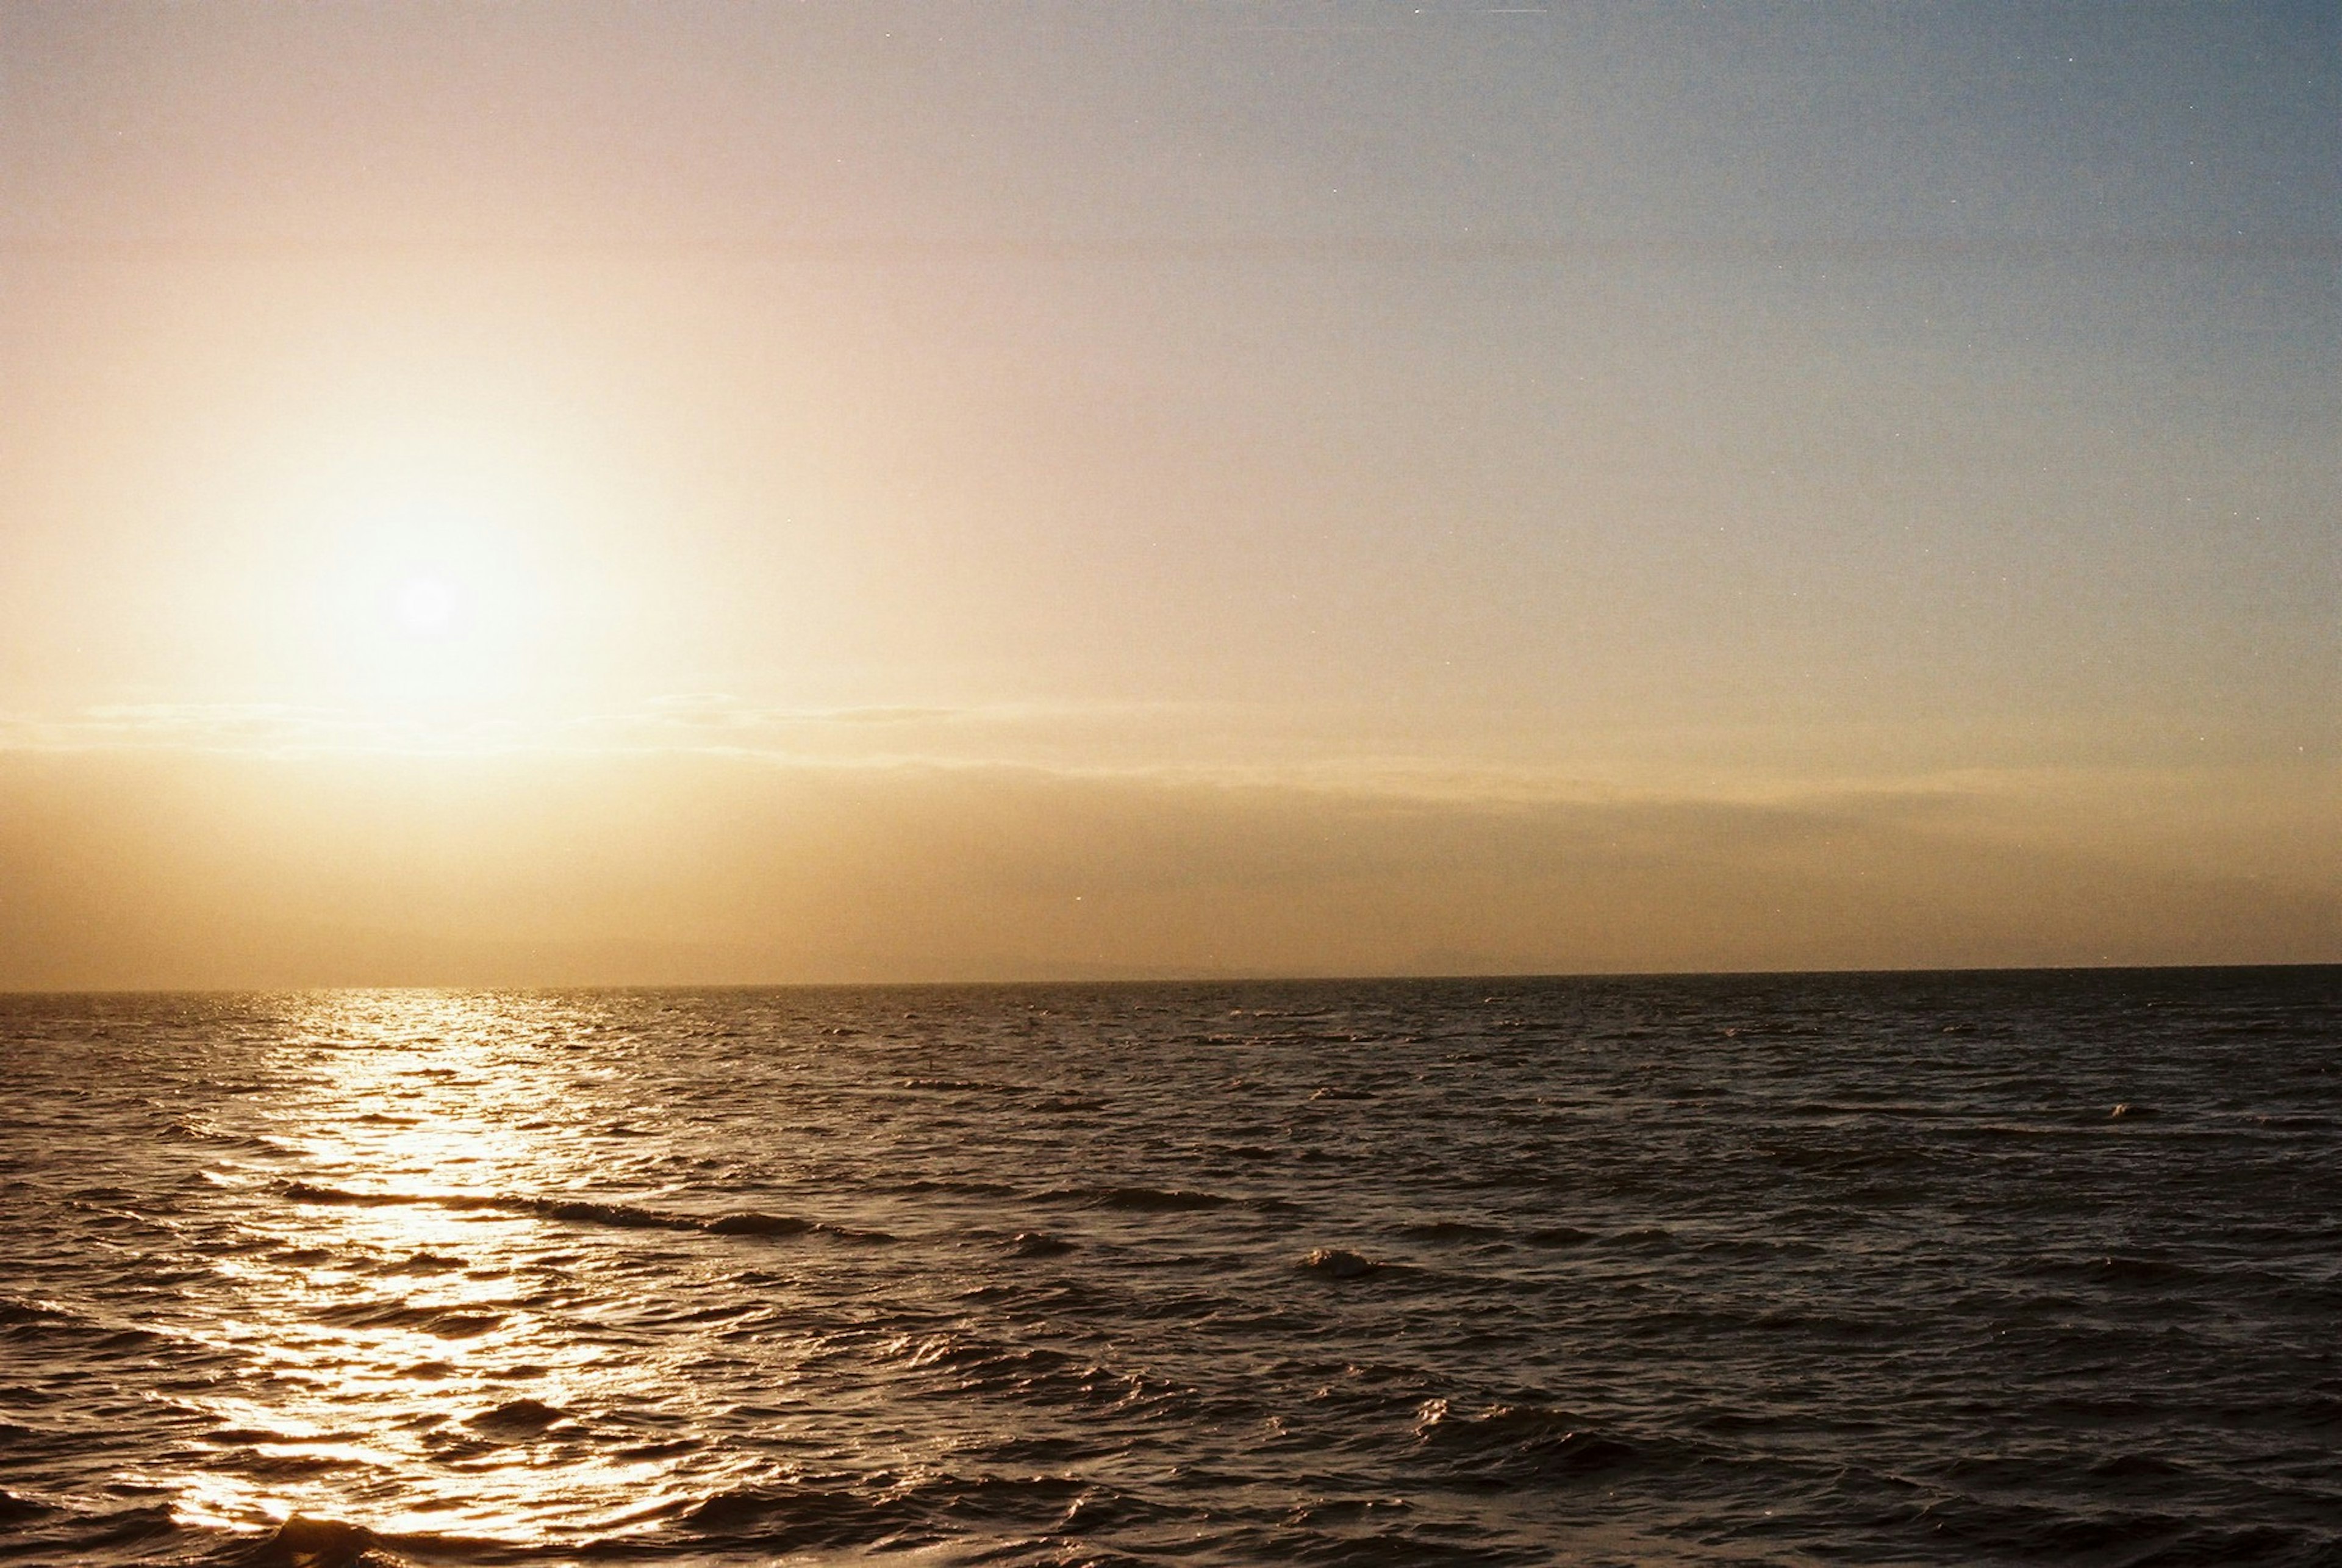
{"x": 155, "y": 868}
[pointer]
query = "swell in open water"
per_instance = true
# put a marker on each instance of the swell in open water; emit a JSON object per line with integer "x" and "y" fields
{"x": 1950, "y": 1268}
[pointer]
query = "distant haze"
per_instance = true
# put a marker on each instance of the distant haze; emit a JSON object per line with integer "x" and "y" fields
{"x": 588, "y": 492}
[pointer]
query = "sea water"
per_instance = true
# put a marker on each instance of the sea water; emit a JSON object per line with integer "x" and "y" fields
{"x": 1923, "y": 1268}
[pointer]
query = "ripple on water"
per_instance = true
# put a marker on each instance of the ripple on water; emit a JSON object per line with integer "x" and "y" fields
{"x": 1923, "y": 1268}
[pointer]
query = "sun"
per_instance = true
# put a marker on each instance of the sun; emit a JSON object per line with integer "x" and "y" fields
{"x": 438, "y": 605}
{"x": 427, "y": 606}
{"x": 435, "y": 579}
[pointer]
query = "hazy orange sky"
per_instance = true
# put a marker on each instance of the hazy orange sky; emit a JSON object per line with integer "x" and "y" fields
{"x": 591, "y": 493}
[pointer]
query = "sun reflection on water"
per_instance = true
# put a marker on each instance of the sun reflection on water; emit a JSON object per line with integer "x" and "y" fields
{"x": 407, "y": 1329}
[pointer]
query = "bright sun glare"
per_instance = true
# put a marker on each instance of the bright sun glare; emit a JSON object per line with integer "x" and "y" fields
{"x": 436, "y": 604}
{"x": 425, "y": 606}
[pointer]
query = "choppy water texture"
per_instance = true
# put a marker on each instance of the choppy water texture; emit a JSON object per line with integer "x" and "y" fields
{"x": 1960, "y": 1268}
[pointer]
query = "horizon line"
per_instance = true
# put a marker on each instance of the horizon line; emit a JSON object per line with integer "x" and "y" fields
{"x": 1132, "y": 980}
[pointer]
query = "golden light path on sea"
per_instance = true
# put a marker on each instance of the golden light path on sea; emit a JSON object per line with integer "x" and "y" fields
{"x": 397, "y": 1312}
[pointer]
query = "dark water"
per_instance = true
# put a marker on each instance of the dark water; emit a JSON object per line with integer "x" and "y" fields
{"x": 1790, "y": 1269}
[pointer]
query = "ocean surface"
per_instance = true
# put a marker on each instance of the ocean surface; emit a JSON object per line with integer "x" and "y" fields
{"x": 1966, "y": 1268}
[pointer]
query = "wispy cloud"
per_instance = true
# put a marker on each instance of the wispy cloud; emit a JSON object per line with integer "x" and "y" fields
{"x": 149, "y": 867}
{"x": 685, "y": 722}
{"x": 719, "y": 709}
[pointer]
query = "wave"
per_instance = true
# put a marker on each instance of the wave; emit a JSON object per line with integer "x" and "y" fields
{"x": 24, "y": 1310}
{"x": 40, "y": 1532}
{"x": 1539, "y": 1296}
{"x": 304, "y": 1543}
{"x": 589, "y": 1212}
{"x": 1034, "y": 1245}
{"x": 1035, "y": 1375}
{"x": 418, "y": 1263}
{"x": 15, "y": 1509}
{"x": 1143, "y": 1199}
{"x": 1453, "y": 1231}
{"x": 2014, "y": 1529}
{"x": 969, "y": 1189}
{"x": 1506, "y": 1444}
{"x": 463, "y": 1322}
{"x": 519, "y": 1418}
{"x": 1559, "y": 1236}
{"x": 1340, "y": 1263}
{"x": 757, "y": 1222}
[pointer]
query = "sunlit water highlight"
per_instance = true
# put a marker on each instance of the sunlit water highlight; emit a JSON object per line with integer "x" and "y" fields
{"x": 1785, "y": 1269}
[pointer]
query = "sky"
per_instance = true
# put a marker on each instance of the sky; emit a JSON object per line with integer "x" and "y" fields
{"x": 612, "y": 494}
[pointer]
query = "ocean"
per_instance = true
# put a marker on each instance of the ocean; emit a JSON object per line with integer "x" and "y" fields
{"x": 1950, "y": 1268}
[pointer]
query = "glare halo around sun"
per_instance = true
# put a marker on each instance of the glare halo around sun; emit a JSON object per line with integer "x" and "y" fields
{"x": 438, "y": 572}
